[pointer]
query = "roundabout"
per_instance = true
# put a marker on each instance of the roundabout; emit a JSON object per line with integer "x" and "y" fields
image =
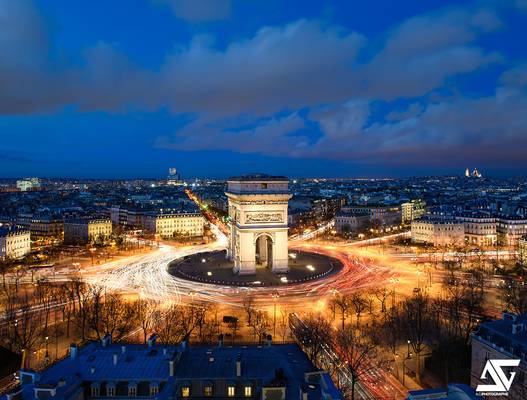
{"x": 214, "y": 268}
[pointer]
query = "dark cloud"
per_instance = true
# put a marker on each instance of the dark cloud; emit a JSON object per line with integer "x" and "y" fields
{"x": 235, "y": 92}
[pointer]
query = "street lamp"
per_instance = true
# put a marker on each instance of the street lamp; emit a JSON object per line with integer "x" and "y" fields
{"x": 408, "y": 343}
{"x": 47, "y": 339}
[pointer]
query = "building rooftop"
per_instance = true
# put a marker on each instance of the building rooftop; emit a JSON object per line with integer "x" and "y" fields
{"x": 509, "y": 334}
{"x": 258, "y": 178}
{"x": 171, "y": 367}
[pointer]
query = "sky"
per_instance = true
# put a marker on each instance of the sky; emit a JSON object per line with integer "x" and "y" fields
{"x": 125, "y": 89}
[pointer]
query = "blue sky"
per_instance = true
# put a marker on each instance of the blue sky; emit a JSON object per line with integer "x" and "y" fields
{"x": 221, "y": 87}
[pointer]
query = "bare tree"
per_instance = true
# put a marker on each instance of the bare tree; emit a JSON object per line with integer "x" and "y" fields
{"x": 110, "y": 314}
{"x": 356, "y": 351}
{"x": 168, "y": 325}
{"x": 417, "y": 324}
{"x": 314, "y": 333}
{"x": 359, "y": 303}
{"x": 342, "y": 303}
{"x": 260, "y": 325}
{"x": 248, "y": 306}
{"x": 284, "y": 322}
{"x": 514, "y": 296}
{"x": 382, "y": 295}
{"x": 146, "y": 311}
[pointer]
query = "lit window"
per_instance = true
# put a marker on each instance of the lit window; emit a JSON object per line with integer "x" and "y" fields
{"x": 185, "y": 391}
{"x": 207, "y": 391}
{"x": 248, "y": 391}
{"x": 230, "y": 391}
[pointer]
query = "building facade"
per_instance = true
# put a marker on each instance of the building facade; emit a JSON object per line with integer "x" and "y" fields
{"x": 14, "y": 244}
{"x": 171, "y": 225}
{"x": 83, "y": 231}
{"x": 380, "y": 216}
{"x": 412, "y": 210}
{"x": 258, "y": 207}
{"x": 479, "y": 229}
{"x": 45, "y": 227}
{"x": 438, "y": 231}
{"x": 346, "y": 223}
{"x": 510, "y": 230}
{"x": 522, "y": 251}
{"x": 501, "y": 339}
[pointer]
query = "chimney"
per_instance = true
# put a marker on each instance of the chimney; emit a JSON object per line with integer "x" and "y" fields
{"x": 152, "y": 340}
{"x": 106, "y": 340}
{"x": 268, "y": 340}
{"x": 114, "y": 358}
{"x": 164, "y": 351}
{"x": 303, "y": 391}
{"x": 239, "y": 366}
{"x": 92, "y": 370}
{"x": 171, "y": 367}
{"x": 73, "y": 350}
{"x": 220, "y": 340}
{"x": 517, "y": 328}
{"x": 123, "y": 349}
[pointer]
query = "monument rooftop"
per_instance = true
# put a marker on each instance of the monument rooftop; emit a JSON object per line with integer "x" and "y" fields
{"x": 258, "y": 178}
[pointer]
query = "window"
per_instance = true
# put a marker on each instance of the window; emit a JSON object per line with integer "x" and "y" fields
{"x": 132, "y": 391}
{"x": 230, "y": 391}
{"x": 110, "y": 391}
{"x": 154, "y": 390}
{"x": 185, "y": 391}
{"x": 207, "y": 390}
{"x": 95, "y": 391}
{"x": 248, "y": 391}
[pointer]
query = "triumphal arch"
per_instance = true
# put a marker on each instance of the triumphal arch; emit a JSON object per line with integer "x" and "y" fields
{"x": 258, "y": 223}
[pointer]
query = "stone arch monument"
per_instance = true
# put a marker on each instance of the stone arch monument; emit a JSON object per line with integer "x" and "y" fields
{"x": 258, "y": 222}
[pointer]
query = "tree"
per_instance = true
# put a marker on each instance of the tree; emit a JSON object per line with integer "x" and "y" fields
{"x": 465, "y": 297}
{"x": 342, "y": 303}
{"x": 260, "y": 325}
{"x": 359, "y": 303}
{"x": 314, "y": 333}
{"x": 514, "y": 295}
{"x": 382, "y": 295}
{"x": 389, "y": 332}
{"x": 284, "y": 322}
{"x": 81, "y": 305}
{"x": 248, "y": 306}
{"x": 146, "y": 311}
{"x": 110, "y": 314}
{"x": 417, "y": 324}
{"x": 357, "y": 353}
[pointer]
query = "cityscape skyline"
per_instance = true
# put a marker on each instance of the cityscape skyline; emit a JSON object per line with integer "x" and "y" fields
{"x": 222, "y": 88}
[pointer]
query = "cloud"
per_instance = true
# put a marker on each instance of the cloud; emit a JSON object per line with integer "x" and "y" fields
{"x": 274, "y": 136}
{"x": 200, "y": 10}
{"x": 302, "y": 64}
{"x": 278, "y": 68}
{"x": 262, "y": 94}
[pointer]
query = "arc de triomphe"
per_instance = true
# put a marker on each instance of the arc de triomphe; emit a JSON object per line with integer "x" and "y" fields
{"x": 258, "y": 222}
